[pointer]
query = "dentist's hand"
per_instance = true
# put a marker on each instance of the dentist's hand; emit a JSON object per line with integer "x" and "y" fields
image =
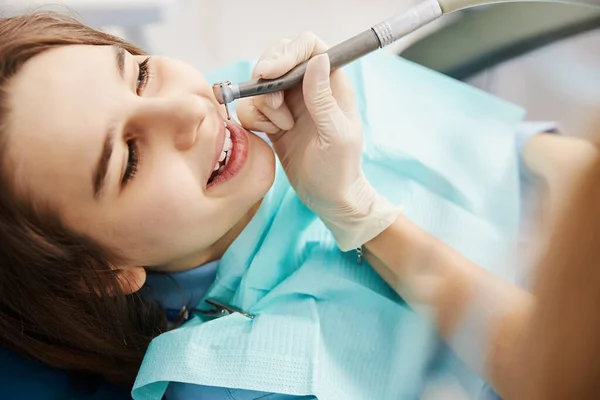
{"x": 317, "y": 135}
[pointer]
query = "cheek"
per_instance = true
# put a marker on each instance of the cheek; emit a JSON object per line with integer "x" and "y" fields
{"x": 170, "y": 200}
{"x": 167, "y": 218}
{"x": 263, "y": 167}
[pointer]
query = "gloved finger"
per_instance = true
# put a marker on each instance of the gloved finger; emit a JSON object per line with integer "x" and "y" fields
{"x": 271, "y": 54}
{"x": 273, "y": 100}
{"x": 252, "y": 119}
{"x": 283, "y": 59}
{"x": 320, "y": 101}
{"x": 343, "y": 92}
{"x": 281, "y": 116}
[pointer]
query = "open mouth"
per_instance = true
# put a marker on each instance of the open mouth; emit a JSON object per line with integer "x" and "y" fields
{"x": 232, "y": 157}
{"x": 224, "y": 157}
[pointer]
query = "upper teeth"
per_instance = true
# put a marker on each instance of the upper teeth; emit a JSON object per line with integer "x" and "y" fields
{"x": 227, "y": 145}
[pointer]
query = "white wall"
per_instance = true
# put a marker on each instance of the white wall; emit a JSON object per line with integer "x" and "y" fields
{"x": 210, "y": 33}
{"x": 560, "y": 82}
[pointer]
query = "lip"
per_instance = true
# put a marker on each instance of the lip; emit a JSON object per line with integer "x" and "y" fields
{"x": 239, "y": 153}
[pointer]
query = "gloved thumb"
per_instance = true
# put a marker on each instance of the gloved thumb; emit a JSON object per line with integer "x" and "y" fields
{"x": 318, "y": 96}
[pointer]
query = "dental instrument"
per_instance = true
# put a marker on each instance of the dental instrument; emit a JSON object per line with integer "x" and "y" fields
{"x": 374, "y": 38}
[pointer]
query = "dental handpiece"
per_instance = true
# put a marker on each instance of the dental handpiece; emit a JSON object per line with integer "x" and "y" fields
{"x": 378, "y": 36}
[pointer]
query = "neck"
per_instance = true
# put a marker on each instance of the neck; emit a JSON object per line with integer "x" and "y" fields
{"x": 216, "y": 251}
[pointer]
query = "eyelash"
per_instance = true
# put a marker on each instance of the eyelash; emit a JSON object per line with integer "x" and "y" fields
{"x": 133, "y": 158}
{"x": 143, "y": 76}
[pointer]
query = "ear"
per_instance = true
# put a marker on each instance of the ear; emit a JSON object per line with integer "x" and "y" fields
{"x": 132, "y": 279}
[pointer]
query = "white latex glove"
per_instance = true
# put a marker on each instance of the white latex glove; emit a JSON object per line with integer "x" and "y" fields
{"x": 317, "y": 135}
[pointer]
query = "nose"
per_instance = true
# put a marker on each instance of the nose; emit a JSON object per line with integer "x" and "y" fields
{"x": 178, "y": 118}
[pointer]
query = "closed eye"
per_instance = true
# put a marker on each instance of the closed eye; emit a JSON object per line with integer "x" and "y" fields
{"x": 133, "y": 161}
{"x": 143, "y": 76}
{"x": 133, "y": 154}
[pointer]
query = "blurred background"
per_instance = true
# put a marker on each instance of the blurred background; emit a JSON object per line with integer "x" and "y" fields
{"x": 545, "y": 57}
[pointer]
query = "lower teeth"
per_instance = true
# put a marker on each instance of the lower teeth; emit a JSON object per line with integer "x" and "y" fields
{"x": 216, "y": 173}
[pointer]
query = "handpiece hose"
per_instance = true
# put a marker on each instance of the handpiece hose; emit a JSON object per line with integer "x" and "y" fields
{"x": 339, "y": 56}
{"x": 378, "y": 36}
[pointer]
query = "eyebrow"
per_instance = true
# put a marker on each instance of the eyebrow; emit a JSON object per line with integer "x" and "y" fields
{"x": 120, "y": 60}
{"x": 101, "y": 171}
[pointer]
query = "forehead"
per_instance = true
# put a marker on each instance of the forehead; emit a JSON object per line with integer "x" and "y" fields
{"x": 61, "y": 102}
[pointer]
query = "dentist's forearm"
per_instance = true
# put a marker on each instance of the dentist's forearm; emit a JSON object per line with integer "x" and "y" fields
{"x": 434, "y": 278}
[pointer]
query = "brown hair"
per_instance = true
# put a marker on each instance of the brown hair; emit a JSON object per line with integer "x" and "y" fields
{"x": 60, "y": 300}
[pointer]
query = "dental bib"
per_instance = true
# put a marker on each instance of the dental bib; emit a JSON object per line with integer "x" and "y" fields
{"x": 324, "y": 324}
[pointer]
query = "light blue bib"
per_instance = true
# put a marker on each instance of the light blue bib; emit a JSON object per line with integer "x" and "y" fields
{"x": 325, "y": 325}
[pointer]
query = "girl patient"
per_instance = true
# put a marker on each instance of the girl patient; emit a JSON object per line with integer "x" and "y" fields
{"x": 119, "y": 173}
{"x": 108, "y": 165}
